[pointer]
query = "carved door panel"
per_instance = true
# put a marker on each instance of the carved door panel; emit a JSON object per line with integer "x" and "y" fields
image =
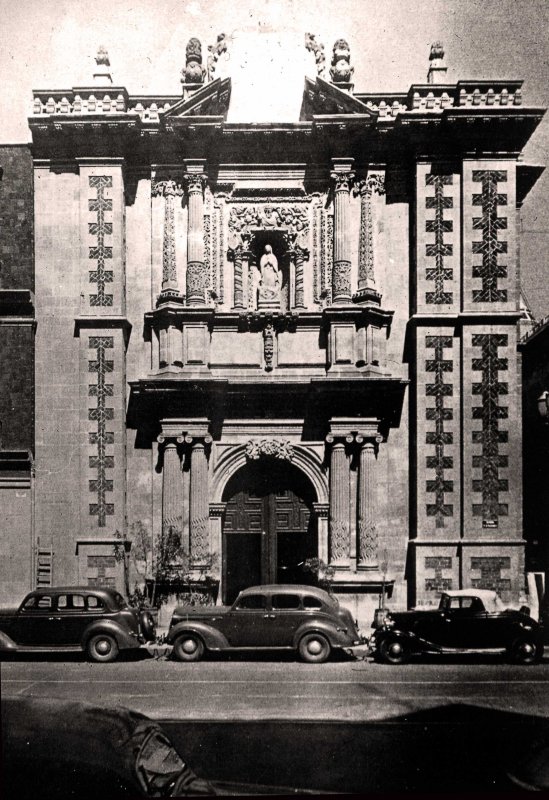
{"x": 267, "y": 535}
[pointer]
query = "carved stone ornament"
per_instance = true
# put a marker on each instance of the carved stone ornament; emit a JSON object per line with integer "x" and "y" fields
{"x": 341, "y": 70}
{"x": 102, "y": 57}
{"x": 166, "y": 188}
{"x": 195, "y": 182}
{"x": 318, "y": 49}
{"x": 193, "y": 72}
{"x": 269, "y": 447}
{"x": 342, "y": 180}
{"x": 215, "y": 51}
{"x": 373, "y": 183}
{"x": 268, "y": 346}
{"x": 244, "y": 219}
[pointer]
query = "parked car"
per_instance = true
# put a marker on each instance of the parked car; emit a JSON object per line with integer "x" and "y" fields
{"x": 287, "y": 617}
{"x": 468, "y": 620}
{"x": 95, "y": 620}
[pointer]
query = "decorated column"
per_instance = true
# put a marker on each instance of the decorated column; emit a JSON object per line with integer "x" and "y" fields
{"x": 374, "y": 183}
{"x": 195, "y": 180}
{"x": 172, "y": 487}
{"x": 367, "y": 512}
{"x": 199, "y": 507}
{"x": 238, "y": 284}
{"x": 338, "y": 523}
{"x": 170, "y": 288}
{"x": 342, "y": 176}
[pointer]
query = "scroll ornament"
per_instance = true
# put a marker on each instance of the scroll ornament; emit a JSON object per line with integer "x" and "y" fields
{"x": 269, "y": 447}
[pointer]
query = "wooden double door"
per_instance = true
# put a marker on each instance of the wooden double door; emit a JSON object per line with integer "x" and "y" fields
{"x": 269, "y": 530}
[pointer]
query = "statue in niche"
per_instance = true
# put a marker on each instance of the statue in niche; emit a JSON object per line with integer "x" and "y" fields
{"x": 269, "y": 285}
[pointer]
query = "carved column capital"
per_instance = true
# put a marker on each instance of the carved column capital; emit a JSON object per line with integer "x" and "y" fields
{"x": 167, "y": 439}
{"x": 372, "y": 183}
{"x": 166, "y": 188}
{"x": 194, "y": 183}
{"x": 342, "y": 181}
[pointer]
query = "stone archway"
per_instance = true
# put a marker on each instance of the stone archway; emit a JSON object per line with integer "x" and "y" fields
{"x": 269, "y": 526}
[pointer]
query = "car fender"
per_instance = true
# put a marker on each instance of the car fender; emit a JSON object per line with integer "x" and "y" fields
{"x": 213, "y": 639}
{"x": 7, "y": 645}
{"x": 123, "y": 638}
{"x": 412, "y": 640}
{"x": 337, "y": 638}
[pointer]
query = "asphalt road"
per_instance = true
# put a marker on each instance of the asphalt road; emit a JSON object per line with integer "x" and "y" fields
{"x": 282, "y": 689}
{"x": 344, "y": 726}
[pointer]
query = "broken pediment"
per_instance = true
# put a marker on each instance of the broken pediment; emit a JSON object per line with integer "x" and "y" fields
{"x": 211, "y": 100}
{"x": 323, "y": 98}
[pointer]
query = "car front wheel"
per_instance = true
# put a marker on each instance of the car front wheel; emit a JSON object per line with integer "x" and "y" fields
{"x": 525, "y": 651}
{"x": 188, "y": 647}
{"x": 394, "y": 651}
{"x": 102, "y": 647}
{"x": 314, "y": 648}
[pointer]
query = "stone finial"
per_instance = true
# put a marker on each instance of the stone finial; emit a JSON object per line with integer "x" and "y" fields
{"x": 317, "y": 48}
{"x": 194, "y": 71}
{"x": 215, "y": 51}
{"x": 102, "y": 74}
{"x": 437, "y": 67}
{"x": 341, "y": 70}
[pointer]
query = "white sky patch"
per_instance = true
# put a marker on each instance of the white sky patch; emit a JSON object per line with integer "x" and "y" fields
{"x": 194, "y": 8}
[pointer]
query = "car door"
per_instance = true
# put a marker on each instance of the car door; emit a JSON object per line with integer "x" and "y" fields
{"x": 249, "y": 622}
{"x": 465, "y": 623}
{"x": 36, "y": 624}
{"x": 75, "y": 612}
{"x": 287, "y": 617}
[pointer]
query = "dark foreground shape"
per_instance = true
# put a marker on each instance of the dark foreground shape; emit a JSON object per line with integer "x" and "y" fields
{"x": 59, "y": 750}
{"x": 56, "y": 749}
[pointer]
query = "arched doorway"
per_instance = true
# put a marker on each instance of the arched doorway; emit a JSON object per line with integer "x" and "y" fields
{"x": 269, "y": 528}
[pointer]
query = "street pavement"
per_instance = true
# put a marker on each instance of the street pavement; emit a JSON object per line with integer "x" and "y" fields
{"x": 345, "y": 726}
{"x": 281, "y": 688}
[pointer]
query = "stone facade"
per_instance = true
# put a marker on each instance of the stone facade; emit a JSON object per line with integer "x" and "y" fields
{"x": 291, "y": 346}
{"x": 17, "y": 544}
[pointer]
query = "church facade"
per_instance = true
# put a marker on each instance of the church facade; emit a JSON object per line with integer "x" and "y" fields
{"x": 288, "y": 349}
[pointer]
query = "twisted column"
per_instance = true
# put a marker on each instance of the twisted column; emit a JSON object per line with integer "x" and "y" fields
{"x": 338, "y": 520}
{"x": 300, "y": 255}
{"x": 238, "y": 285}
{"x": 367, "y": 513}
{"x": 172, "y": 488}
{"x": 196, "y": 271}
{"x": 199, "y": 507}
{"x": 342, "y": 176}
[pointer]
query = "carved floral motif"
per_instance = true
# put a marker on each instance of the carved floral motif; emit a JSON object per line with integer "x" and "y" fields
{"x": 243, "y": 219}
{"x": 256, "y": 448}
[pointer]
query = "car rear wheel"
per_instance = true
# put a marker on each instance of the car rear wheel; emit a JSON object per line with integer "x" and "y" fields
{"x": 188, "y": 647}
{"x": 102, "y": 647}
{"x": 394, "y": 651}
{"x": 314, "y": 648}
{"x": 525, "y": 651}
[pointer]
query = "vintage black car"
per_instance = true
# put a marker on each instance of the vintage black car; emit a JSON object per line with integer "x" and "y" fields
{"x": 73, "y": 618}
{"x": 467, "y": 620}
{"x": 288, "y": 617}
